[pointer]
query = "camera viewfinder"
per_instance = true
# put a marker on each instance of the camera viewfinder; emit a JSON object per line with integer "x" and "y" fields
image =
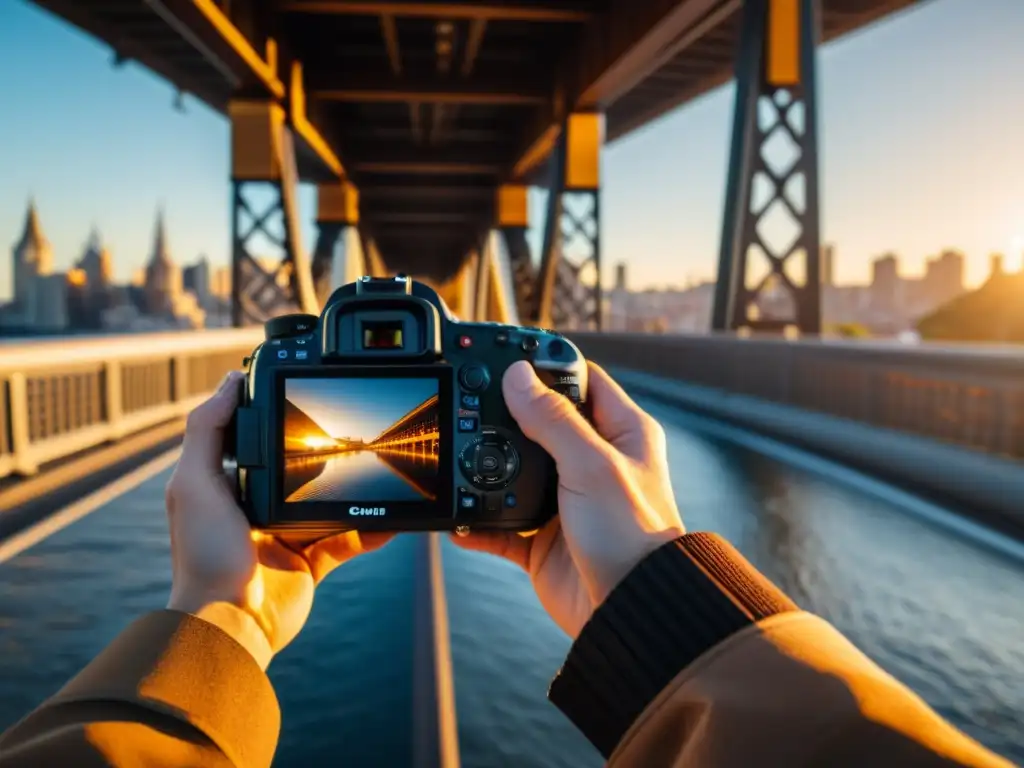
{"x": 383, "y": 335}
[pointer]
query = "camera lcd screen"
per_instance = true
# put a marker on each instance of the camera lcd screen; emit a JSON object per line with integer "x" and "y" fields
{"x": 363, "y": 439}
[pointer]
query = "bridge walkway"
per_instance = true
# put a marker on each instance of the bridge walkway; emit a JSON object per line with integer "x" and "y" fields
{"x": 897, "y": 575}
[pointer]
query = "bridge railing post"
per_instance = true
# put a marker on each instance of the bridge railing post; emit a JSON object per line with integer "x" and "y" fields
{"x": 113, "y": 398}
{"x": 21, "y": 444}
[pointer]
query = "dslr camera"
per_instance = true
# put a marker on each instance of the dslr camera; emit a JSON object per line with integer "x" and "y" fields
{"x": 386, "y": 413}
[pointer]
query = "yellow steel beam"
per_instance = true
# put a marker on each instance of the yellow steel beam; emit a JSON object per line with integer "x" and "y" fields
{"x": 338, "y": 203}
{"x": 512, "y": 206}
{"x": 238, "y": 43}
{"x": 585, "y": 134}
{"x": 393, "y": 91}
{"x": 305, "y": 130}
{"x": 441, "y": 10}
{"x": 783, "y": 57}
{"x": 427, "y": 167}
{"x": 255, "y": 131}
{"x": 537, "y": 152}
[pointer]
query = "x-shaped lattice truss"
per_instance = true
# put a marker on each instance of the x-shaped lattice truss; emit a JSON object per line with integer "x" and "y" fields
{"x": 264, "y": 291}
{"x": 775, "y": 246}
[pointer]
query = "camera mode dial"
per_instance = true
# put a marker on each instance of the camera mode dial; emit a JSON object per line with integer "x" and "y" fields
{"x": 289, "y": 326}
{"x": 489, "y": 462}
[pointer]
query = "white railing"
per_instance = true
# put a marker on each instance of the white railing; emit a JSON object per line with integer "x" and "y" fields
{"x": 63, "y": 396}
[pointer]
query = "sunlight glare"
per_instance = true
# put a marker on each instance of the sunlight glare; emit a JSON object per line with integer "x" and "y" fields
{"x": 318, "y": 442}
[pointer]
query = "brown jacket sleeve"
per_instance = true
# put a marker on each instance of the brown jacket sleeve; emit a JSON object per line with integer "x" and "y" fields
{"x": 697, "y": 660}
{"x": 171, "y": 690}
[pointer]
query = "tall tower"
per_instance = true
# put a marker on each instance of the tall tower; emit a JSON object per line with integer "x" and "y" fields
{"x": 827, "y": 263}
{"x": 96, "y": 263}
{"x": 620, "y": 276}
{"x": 163, "y": 278}
{"x": 32, "y": 258}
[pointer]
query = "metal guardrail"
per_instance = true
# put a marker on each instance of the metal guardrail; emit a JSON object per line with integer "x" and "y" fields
{"x": 63, "y": 396}
{"x": 967, "y": 396}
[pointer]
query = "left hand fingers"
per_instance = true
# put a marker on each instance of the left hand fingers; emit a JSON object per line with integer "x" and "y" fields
{"x": 203, "y": 446}
{"x": 327, "y": 554}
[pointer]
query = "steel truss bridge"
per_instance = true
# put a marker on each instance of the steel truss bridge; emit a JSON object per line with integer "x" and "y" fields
{"x": 423, "y": 125}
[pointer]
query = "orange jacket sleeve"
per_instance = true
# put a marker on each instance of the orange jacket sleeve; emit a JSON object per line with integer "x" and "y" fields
{"x": 171, "y": 690}
{"x": 697, "y": 660}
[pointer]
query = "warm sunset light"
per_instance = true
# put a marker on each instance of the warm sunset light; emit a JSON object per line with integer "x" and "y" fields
{"x": 319, "y": 442}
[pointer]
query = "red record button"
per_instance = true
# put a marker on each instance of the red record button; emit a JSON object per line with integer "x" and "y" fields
{"x": 465, "y": 341}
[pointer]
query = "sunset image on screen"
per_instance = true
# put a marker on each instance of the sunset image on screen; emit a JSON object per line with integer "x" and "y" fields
{"x": 361, "y": 440}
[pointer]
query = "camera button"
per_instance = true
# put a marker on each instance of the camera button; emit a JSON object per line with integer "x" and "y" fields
{"x": 501, "y": 338}
{"x": 465, "y": 342}
{"x": 467, "y": 424}
{"x": 471, "y": 402}
{"x": 510, "y": 500}
{"x": 530, "y": 344}
{"x": 491, "y": 463}
{"x": 474, "y": 378}
{"x": 468, "y": 502}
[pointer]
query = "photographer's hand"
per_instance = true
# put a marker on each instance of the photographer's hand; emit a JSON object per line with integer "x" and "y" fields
{"x": 253, "y": 586}
{"x": 615, "y": 501}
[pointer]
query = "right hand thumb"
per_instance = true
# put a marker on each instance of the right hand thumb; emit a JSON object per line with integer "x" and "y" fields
{"x": 551, "y": 420}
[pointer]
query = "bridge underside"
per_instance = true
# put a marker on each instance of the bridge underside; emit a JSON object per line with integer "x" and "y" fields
{"x": 427, "y": 108}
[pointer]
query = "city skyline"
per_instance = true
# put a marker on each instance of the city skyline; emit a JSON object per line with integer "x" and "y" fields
{"x": 96, "y": 239}
{"x": 129, "y": 153}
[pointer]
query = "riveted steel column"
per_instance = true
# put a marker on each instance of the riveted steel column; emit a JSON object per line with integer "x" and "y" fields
{"x": 337, "y": 209}
{"x": 769, "y": 280}
{"x": 569, "y": 284}
{"x": 264, "y": 180}
{"x": 513, "y": 221}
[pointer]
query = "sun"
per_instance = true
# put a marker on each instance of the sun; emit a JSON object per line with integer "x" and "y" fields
{"x": 318, "y": 442}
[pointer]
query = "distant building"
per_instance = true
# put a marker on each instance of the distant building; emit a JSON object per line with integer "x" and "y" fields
{"x": 196, "y": 278}
{"x": 827, "y": 264}
{"x": 220, "y": 283}
{"x": 166, "y": 303}
{"x": 163, "y": 277}
{"x": 97, "y": 264}
{"x": 39, "y": 296}
{"x": 620, "y": 276}
{"x": 53, "y": 299}
{"x": 885, "y": 279}
{"x": 944, "y": 277}
{"x": 90, "y": 284}
{"x": 32, "y": 259}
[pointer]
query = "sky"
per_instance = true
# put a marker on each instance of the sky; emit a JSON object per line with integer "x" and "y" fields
{"x": 922, "y": 117}
{"x": 358, "y": 408}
